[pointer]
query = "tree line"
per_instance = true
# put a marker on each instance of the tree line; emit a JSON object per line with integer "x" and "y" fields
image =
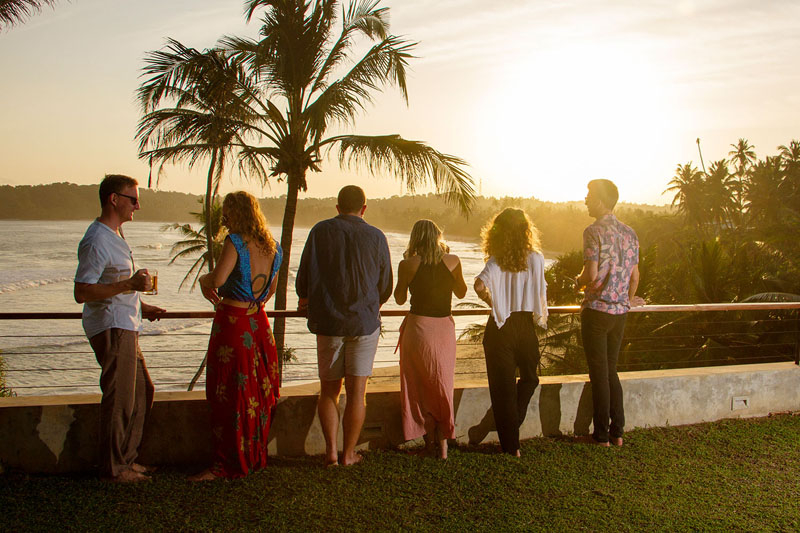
{"x": 561, "y": 224}
{"x": 734, "y": 237}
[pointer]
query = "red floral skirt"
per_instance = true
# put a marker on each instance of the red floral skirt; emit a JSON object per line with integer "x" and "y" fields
{"x": 241, "y": 388}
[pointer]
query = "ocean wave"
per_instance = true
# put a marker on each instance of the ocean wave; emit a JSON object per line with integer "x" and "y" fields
{"x": 55, "y": 343}
{"x": 7, "y": 286}
{"x": 154, "y": 246}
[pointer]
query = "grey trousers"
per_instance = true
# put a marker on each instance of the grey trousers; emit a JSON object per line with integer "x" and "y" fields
{"x": 127, "y": 398}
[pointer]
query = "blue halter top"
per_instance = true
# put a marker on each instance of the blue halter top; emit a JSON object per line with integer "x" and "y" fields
{"x": 238, "y": 286}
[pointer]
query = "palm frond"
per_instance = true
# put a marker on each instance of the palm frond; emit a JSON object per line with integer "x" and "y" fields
{"x": 413, "y": 162}
{"x": 769, "y": 297}
{"x": 473, "y": 333}
{"x": 289, "y": 51}
{"x": 360, "y": 17}
{"x": 343, "y": 100}
{"x": 14, "y": 12}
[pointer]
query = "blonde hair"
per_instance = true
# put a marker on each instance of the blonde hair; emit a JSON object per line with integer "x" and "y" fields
{"x": 510, "y": 237}
{"x": 244, "y": 216}
{"x": 426, "y": 242}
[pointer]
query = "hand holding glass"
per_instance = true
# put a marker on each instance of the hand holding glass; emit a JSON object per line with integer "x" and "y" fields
{"x": 154, "y": 277}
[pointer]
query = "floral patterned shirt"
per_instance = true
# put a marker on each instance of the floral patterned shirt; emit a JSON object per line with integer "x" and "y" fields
{"x": 615, "y": 247}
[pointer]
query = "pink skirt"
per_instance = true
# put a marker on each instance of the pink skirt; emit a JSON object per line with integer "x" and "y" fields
{"x": 427, "y": 371}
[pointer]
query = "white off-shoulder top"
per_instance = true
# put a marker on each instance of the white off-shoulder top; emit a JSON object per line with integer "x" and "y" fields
{"x": 517, "y": 291}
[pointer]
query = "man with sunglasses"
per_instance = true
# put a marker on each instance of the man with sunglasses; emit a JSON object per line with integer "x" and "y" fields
{"x": 107, "y": 285}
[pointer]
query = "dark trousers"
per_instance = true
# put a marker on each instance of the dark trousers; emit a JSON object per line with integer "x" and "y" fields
{"x": 127, "y": 397}
{"x": 602, "y": 338}
{"x": 506, "y": 349}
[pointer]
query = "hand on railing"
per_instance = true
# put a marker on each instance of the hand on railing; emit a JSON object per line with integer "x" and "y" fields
{"x": 152, "y": 312}
{"x": 638, "y": 301}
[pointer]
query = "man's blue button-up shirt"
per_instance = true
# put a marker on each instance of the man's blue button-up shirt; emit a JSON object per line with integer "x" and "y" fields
{"x": 346, "y": 274}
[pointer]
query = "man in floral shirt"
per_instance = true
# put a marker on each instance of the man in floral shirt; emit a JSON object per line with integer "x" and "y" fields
{"x": 609, "y": 278}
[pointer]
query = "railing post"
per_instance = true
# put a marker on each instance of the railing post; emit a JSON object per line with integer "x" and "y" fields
{"x": 797, "y": 337}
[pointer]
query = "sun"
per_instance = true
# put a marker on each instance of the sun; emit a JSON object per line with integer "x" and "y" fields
{"x": 556, "y": 118}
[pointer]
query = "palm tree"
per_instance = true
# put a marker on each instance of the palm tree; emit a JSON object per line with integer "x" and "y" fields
{"x": 710, "y": 273}
{"x": 289, "y": 83}
{"x": 195, "y": 242}
{"x": 790, "y": 165}
{"x": 720, "y": 197}
{"x": 762, "y": 197}
{"x": 744, "y": 155}
{"x": 689, "y": 193}
{"x": 17, "y": 11}
{"x": 208, "y": 117}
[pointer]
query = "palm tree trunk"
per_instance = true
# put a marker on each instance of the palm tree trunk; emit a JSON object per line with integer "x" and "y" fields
{"x": 209, "y": 218}
{"x": 209, "y": 247}
{"x": 287, "y": 232}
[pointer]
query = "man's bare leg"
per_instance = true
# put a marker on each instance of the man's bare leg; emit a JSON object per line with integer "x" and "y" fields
{"x": 328, "y": 411}
{"x": 354, "y": 413}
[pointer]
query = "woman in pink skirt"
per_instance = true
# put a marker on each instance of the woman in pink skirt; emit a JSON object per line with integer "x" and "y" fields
{"x": 428, "y": 336}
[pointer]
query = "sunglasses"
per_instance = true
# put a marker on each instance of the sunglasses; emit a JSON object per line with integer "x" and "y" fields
{"x": 133, "y": 199}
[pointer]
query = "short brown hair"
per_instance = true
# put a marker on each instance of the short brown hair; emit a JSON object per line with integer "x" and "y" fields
{"x": 606, "y": 191}
{"x": 114, "y": 183}
{"x": 351, "y": 199}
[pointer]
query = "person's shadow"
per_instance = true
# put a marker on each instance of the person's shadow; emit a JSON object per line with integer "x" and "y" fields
{"x": 479, "y": 431}
{"x": 549, "y": 414}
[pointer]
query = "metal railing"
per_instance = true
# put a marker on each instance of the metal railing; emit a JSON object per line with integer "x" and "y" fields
{"x": 46, "y": 361}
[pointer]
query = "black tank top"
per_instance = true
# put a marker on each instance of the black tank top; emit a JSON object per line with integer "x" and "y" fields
{"x": 431, "y": 290}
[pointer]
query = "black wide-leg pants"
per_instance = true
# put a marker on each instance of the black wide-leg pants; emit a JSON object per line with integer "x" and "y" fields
{"x": 514, "y": 346}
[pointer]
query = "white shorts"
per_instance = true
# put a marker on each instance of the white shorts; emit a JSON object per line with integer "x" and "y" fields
{"x": 338, "y": 357}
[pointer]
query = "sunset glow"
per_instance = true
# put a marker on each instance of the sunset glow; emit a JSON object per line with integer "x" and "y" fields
{"x": 538, "y": 97}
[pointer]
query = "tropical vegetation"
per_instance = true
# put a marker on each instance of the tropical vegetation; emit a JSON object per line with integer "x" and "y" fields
{"x": 195, "y": 242}
{"x": 735, "y": 237}
{"x": 276, "y": 105}
{"x": 5, "y": 390}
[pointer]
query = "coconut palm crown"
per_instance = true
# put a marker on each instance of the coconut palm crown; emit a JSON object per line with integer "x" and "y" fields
{"x": 283, "y": 93}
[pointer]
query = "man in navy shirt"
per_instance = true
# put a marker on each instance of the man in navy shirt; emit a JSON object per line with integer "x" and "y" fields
{"x": 345, "y": 275}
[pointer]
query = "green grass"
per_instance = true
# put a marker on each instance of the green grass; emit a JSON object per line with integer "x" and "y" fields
{"x": 730, "y": 475}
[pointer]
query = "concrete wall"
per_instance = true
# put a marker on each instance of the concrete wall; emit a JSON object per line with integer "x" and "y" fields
{"x": 58, "y": 434}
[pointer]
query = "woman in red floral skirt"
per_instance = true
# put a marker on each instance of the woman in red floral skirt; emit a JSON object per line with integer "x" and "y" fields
{"x": 242, "y": 372}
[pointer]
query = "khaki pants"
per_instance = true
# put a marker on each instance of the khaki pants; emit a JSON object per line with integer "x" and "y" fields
{"x": 127, "y": 397}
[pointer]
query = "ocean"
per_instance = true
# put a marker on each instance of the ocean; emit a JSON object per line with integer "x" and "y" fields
{"x": 44, "y": 357}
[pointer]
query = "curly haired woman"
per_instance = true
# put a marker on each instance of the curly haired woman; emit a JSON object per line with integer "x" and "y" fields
{"x": 242, "y": 374}
{"x": 512, "y": 283}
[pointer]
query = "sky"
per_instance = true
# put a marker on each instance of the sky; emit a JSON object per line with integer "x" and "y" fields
{"x": 537, "y": 96}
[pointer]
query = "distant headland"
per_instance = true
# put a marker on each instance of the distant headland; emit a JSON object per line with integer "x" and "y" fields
{"x": 561, "y": 224}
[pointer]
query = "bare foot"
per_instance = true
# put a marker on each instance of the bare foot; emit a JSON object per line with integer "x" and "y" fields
{"x": 616, "y": 441}
{"x": 128, "y": 476}
{"x": 443, "y": 449}
{"x": 350, "y": 461}
{"x": 143, "y": 469}
{"x": 205, "y": 475}
{"x": 517, "y": 454}
{"x": 329, "y": 462}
